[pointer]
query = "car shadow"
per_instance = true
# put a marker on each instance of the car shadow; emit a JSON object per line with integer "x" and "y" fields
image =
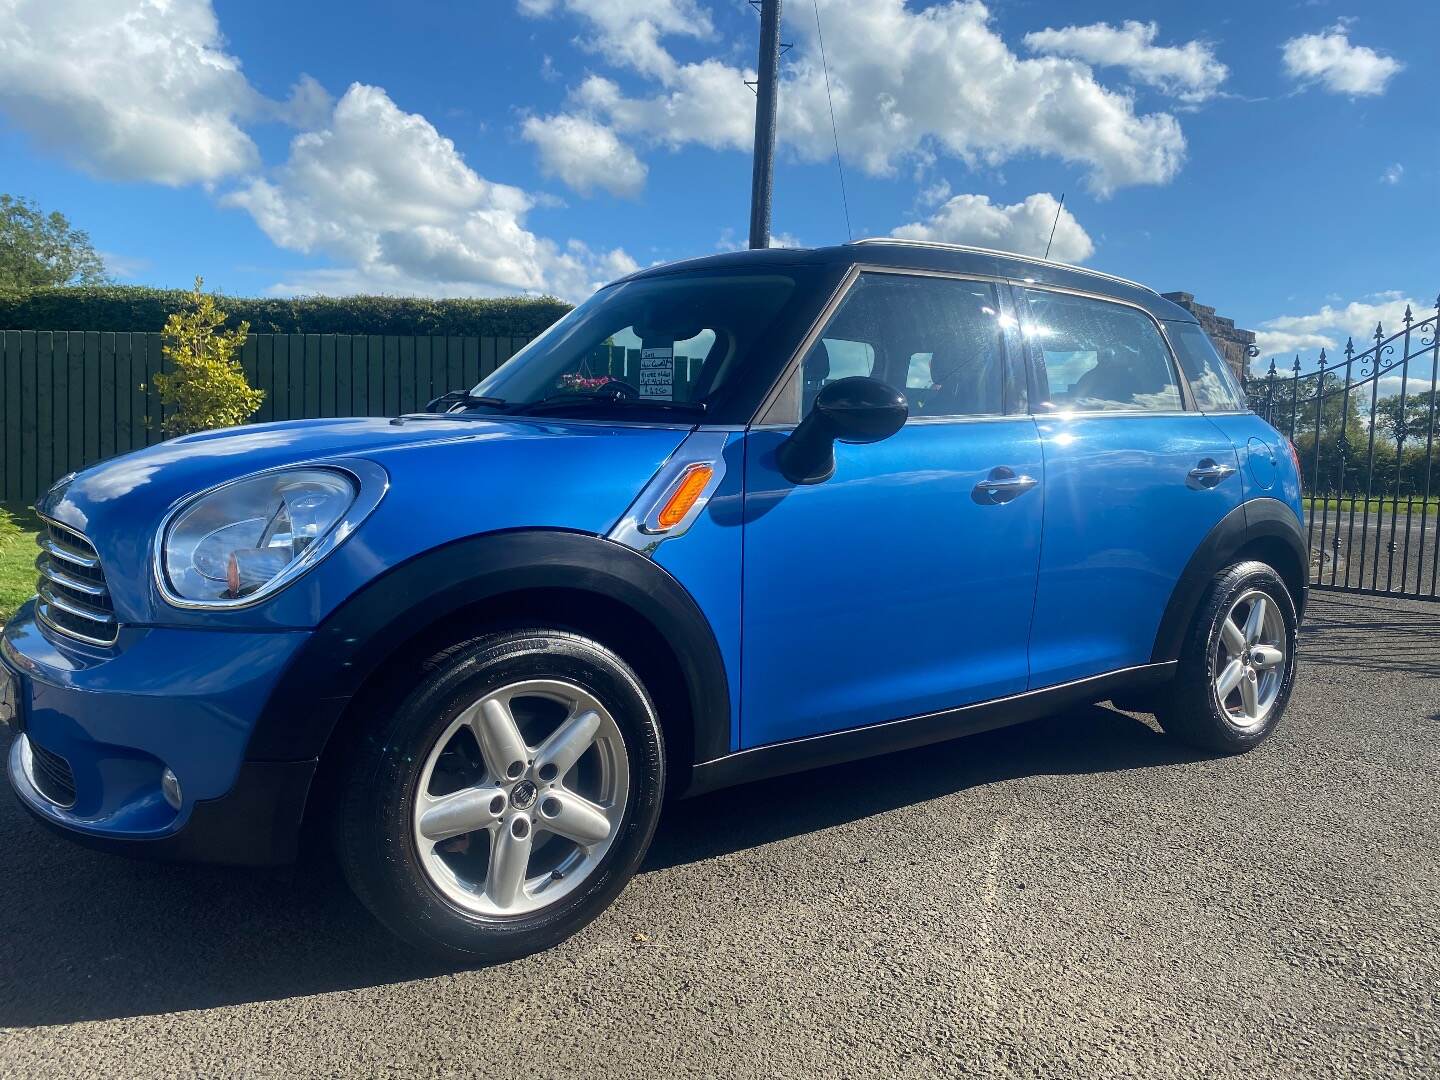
{"x": 1088, "y": 740}
{"x": 90, "y": 936}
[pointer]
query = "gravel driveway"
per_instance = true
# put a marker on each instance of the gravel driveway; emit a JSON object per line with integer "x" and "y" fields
{"x": 1074, "y": 897}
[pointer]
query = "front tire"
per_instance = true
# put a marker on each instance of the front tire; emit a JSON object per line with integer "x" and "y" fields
{"x": 508, "y": 798}
{"x": 1237, "y": 667}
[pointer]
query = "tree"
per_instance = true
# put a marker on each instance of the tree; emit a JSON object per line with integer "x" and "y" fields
{"x": 1415, "y": 423}
{"x": 206, "y": 385}
{"x": 39, "y": 250}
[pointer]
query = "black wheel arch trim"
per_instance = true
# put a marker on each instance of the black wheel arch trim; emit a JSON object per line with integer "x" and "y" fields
{"x": 1252, "y": 520}
{"x": 371, "y": 625}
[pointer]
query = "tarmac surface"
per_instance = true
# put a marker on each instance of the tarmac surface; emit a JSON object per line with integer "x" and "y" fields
{"x": 1075, "y": 897}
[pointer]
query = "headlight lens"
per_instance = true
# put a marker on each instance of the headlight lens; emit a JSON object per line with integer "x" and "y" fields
{"x": 242, "y": 539}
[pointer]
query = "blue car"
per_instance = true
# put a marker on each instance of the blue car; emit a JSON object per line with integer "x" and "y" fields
{"x": 730, "y": 518}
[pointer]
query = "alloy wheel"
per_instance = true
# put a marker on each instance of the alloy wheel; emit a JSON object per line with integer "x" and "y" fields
{"x": 521, "y": 797}
{"x": 1248, "y": 666}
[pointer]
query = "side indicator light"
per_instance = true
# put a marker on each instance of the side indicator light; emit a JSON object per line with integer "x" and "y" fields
{"x": 692, "y": 483}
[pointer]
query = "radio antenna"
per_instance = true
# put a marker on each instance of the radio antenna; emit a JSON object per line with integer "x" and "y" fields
{"x": 1054, "y": 223}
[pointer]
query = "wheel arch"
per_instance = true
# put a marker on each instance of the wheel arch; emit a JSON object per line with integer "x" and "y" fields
{"x": 565, "y": 580}
{"x": 1262, "y": 529}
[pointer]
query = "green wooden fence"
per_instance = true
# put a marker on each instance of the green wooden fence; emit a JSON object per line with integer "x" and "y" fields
{"x": 69, "y": 399}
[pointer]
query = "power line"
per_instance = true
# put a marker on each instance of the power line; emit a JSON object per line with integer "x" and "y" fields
{"x": 834, "y": 130}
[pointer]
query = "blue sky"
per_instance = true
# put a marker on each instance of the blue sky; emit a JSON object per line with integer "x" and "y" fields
{"x": 1277, "y": 159}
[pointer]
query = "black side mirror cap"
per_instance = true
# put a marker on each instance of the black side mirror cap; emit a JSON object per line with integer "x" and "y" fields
{"x": 859, "y": 409}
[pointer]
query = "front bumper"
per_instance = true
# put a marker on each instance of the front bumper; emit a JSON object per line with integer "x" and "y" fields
{"x": 117, "y": 718}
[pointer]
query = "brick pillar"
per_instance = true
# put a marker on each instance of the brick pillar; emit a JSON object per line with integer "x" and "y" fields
{"x": 1231, "y": 343}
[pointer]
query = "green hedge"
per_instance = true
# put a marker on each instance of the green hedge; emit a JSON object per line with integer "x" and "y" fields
{"x": 135, "y": 308}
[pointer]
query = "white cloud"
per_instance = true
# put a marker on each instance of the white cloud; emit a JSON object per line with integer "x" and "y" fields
{"x": 382, "y": 192}
{"x": 1329, "y": 59}
{"x": 1393, "y": 175}
{"x": 584, "y": 154}
{"x": 1329, "y": 327}
{"x": 907, "y": 84}
{"x": 308, "y": 105}
{"x": 138, "y": 91}
{"x": 1023, "y": 227}
{"x": 628, "y": 32}
{"x": 1190, "y": 71}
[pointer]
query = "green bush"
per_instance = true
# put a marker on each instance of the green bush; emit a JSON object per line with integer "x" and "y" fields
{"x": 205, "y": 387}
{"x": 129, "y": 308}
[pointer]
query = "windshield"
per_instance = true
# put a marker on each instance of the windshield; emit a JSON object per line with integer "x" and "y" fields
{"x": 669, "y": 344}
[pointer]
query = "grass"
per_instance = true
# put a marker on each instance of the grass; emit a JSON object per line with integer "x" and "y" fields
{"x": 1347, "y": 504}
{"x": 18, "y": 526}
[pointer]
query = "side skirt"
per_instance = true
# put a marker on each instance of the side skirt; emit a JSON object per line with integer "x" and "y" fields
{"x": 817, "y": 751}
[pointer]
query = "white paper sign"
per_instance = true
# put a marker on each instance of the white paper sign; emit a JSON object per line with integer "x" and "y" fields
{"x": 657, "y": 373}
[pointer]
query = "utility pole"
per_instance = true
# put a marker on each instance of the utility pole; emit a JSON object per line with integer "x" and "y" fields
{"x": 762, "y": 181}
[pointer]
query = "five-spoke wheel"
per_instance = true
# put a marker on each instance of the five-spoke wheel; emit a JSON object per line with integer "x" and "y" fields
{"x": 1237, "y": 666}
{"x": 1250, "y": 659}
{"x": 504, "y": 800}
{"x": 520, "y": 797}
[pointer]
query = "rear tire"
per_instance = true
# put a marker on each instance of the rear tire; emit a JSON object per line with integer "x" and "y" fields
{"x": 507, "y": 800}
{"x": 1237, "y": 666}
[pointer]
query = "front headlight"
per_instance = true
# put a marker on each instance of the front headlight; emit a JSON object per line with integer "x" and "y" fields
{"x": 248, "y": 538}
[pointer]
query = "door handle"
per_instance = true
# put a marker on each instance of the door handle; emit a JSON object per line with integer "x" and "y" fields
{"x": 1002, "y": 485}
{"x": 1208, "y": 473}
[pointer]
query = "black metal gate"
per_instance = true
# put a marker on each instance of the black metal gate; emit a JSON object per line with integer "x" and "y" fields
{"x": 1365, "y": 431}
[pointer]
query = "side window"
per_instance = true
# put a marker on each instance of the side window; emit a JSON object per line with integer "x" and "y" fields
{"x": 1100, "y": 356}
{"x": 940, "y": 340}
{"x": 1213, "y": 383}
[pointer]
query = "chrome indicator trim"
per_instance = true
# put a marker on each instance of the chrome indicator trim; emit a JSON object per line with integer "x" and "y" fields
{"x": 639, "y": 528}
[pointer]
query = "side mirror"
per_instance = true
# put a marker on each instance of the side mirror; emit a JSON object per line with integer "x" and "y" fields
{"x": 854, "y": 410}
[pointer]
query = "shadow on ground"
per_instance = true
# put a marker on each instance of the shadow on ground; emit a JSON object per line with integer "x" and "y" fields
{"x": 92, "y": 936}
{"x": 1347, "y": 633}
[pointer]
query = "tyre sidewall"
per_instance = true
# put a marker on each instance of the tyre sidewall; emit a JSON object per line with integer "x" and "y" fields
{"x": 383, "y": 852}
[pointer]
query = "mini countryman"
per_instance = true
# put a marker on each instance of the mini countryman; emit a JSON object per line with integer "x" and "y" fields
{"x": 730, "y": 518}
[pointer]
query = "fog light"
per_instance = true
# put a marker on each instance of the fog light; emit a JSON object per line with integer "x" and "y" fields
{"x": 170, "y": 788}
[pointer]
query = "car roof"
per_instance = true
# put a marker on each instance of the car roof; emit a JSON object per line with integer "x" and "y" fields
{"x": 927, "y": 255}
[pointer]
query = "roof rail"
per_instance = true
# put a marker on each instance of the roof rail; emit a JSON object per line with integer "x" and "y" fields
{"x": 1005, "y": 254}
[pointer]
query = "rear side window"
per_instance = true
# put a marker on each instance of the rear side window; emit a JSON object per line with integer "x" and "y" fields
{"x": 1215, "y": 387}
{"x": 940, "y": 340}
{"x": 1099, "y": 356}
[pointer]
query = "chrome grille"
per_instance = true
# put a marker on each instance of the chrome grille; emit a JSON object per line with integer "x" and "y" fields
{"x": 74, "y": 598}
{"x": 50, "y": 774}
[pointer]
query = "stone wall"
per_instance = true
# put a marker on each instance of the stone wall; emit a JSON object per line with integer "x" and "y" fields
{"x": 1233, "y": 344}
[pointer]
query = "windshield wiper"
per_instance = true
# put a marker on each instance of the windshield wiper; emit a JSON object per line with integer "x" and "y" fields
{"x": 566, "y": 401}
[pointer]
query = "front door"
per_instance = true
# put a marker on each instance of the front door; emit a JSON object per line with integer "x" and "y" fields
{"x": 904, "y": 583}
{"x": 1134, "y": 482}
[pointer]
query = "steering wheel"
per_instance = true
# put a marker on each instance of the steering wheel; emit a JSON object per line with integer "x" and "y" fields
{"x": 619, "y": 388}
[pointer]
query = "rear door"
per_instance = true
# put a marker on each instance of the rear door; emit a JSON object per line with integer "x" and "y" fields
{"x": 1134, "y": 481}
{"x": 902, "y": 584}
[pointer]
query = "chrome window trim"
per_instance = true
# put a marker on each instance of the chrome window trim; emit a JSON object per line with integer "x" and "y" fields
{"x": 929, "y": 421}
{"x": 940, "y": 245}
{"x": 371, "y": 483}
{"x": 1187, "y": 401}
